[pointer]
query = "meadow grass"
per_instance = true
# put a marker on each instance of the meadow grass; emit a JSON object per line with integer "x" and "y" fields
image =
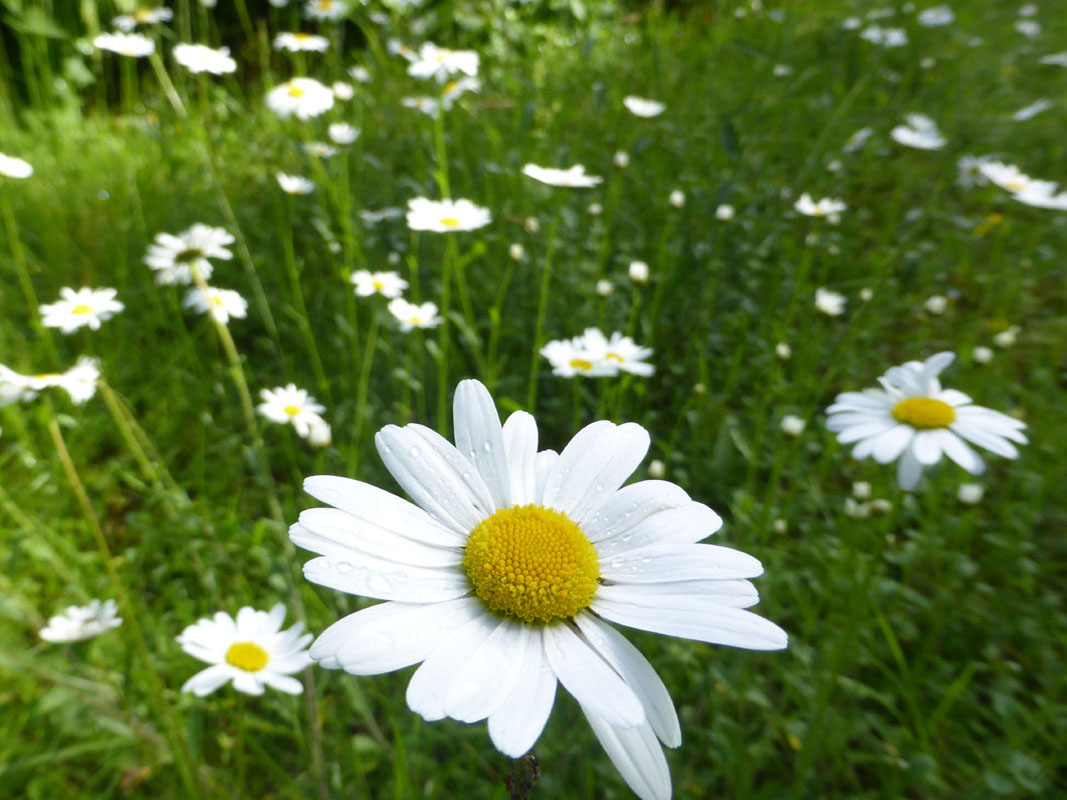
{"x": 926, "y": 643}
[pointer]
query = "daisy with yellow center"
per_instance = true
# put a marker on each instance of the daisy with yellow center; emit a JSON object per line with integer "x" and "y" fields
{"x": 252, "y": 651}
{"x": 222, "y": 304}
{"x": 84, "y": 308}
{"x": 301, "y": 42}
{"x": 445, "y": 216}
{"x": 302, "y": 98}
{"x": 913, "y": 419}
{"x": 289, "y": 405}
{"x": 503, "y": 575}
{"x": 387, "y": 284}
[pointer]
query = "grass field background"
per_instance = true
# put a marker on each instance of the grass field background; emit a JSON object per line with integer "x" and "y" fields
{"x": 927, "y": 642}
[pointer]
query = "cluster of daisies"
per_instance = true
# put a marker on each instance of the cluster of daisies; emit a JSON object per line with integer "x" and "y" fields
{"x": 594, "y": 355}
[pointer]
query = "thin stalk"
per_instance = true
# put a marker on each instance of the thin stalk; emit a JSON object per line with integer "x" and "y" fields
{"x": 542, "y": 310}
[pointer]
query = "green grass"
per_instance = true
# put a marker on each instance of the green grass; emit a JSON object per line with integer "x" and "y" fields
{"x": 927, "y": 643}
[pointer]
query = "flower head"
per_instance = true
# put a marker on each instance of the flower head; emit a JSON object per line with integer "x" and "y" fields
{"x": 301, "y": 42}
{"x": 79, "y": 381}
{"x": 303, "y": 98}
{"x": 342, "y": 133}
{"x": 572, "y": 178}
{"x": 936, "y": 16}
{"x": 387, "y": 284}
{"x": 11, "y": 167}
{"x": 82, "y": 622}
{"x": 252, "y": 651}
{"x": 81, "y": 308}
{"x": 440, "y": 62}
{"x": 325, "y": 9}
{"x": 640, "y": 107}
{"x": 200, "y": 58}
{"x": 830, "y": 303}
{"x": 912, "y": 418}
{"x": 142, "y": 16}
{"x": 414, "y": 315}
{"x": 445, "y": 216}
{"x": 920, "y": 132}
{"x": 222, "y": 304}
{"x": 133, "y": 45}
{"x": 827, "y": 207}
{"x": 503, "y": 576}
{"x": 290, "y": 405}
{"x": 295, "y": 184}
{"x": 175, "y": 257}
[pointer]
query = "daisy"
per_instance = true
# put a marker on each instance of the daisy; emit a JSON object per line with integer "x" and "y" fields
{"x": 287, "y": 404}
{"x": 372, "y": 217}
{"x": 222, "y": 303}
{"x": 79, "y": 381}
{"x": 199, "y": 58}
{"x": 638, "y": 272}
{"x": 175, "y": 257}
{"x": 413, "y": 315}
{"x": 1028, "y": 27}
{"x": 11, "y": 167}
{"x": 570, "y": 357}
{"x": 77, "y": 623}
{"x": 302, "y": 97}
{"x": 1006, "y": 176}
{"x": 445, "y": 216}
{"x": 342, "y": 133}
{"x": 619, "y": 351}
{"x": 342, "y": 90}
{"x": 921, "y": 133}
{"x": 857, "y": 140}
{"x": 572, "y": 178}
{"x": 640, "y": 107}
{"x": 1032, "y": 110}
{"x": 453, "y": 90}
{"x": 295, "y": 184}
{"x": 430, "y": 106}
{"x": 936, "y": 17}
{"x": 14, "y": 388}
{"x": 359, "y": 74}
{"x": 725, "y": 213}
{"x": 676, "y": 199}
{"x": 387, "y": 284}
{"x": 969, "y": 171}
{"x": 252, "y": 651}
{"x": 440, "y": 62}
{"x": 827, "y": 207}
{"x": 320, "y": 150}
{"x": 912, "y": 418}
{"x": 301, "y": 42}
{"x": 125, "y": 44}
{"x": 142, "y": 16}
{"x": 504, "y": 574}
{"x": 1055, "y": 59}
{"x": 886, "y": 37}
{"x": 1040, "y": 194}
{"x": 325, "y": 9}
{"x": 830, "y": 303}
{"x": 81, "y": 308}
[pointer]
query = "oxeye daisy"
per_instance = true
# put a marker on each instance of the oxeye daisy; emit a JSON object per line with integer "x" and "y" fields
{"x": 503, "y": 576}
{"x": 570, "y": 357}
{"x": 200, "y": 58}
{"x": 325, "y": 9}
{"x": 343, "y": 133}
{"x": 252, "y": 651}
{"x": 414, "y": 315}
{"x": 912, "y": 418}
{"x": 440, "y": 62}
{"x": 133, "y": 45}
{"x": 640, "y": 107}
{"x": 295, "y": 184}
{"x": 79, "y": 381}
{"x": 222, "y": 304}
{"x": 387, "y": 284}
{"x": 445, "y": 216}
{"x": 82, "y": 308}
{"x": 572, "y": 178}
{"x": 288, "y": 404}
{"x": 11, "y": 167}
{"x": 300, "y": 97}
{"x": 920, "y": 132}
{"x": 429, "y": 106}
{"x": 77, "y": 623}
{"x": 619, "y": 351}
{"x": 827, "y": 207}
{"x": 142, "y": 16}
{"x": 175, "y": 257}
{"x": 298, "y": 42}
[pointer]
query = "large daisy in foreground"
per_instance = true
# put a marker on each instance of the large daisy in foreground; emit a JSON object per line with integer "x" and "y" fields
{"x": 912, "y": 418}
{"x": 502, "y": 577}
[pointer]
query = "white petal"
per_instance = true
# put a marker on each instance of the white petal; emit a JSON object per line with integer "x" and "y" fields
{"x": 637, "y": 756}
{"x": 848, "y": 419}
{"x": 892, "y": 443}
{"x": 335, "y": 533}
{"x": 593, "y": 466}
{"x": 520, "y": 443}
{"x": 679, "y": 562}
{"x": 926, "y": 446}
{"x": 490, "y": 672}
{"x": 684, "y": 525}
{"x": 701, "y": 620}
{"x": 953, "y": 397}
{"x": 638, "y": 674}
{"x": 386, "y": 580}
{"x": 517, "y": 724}
{"x": 247, "y": 682}
{"x": 435, "y": 475}
{"x": 479, "y": 439}
{"x": 732, "y": 592}
{"x": 208, "y": 680}
{"x": 445, "y": 663}
{"x": 864, "y": 431}
{"x": 631, "y": 505}
{"x": 909, "y": 471}
{"x": 378, "y": 507}
{"x": 545, "y": 464}
{"x": 587, "y": 676}
{"x": 958, "y": 451}
{"x": 390, "y": 636}
{"x": 974, "y": 432}
{"x": 283, "y": 683}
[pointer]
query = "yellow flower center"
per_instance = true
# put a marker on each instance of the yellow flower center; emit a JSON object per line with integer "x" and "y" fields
{"x": 379, "y": 285}
{"x": 216, "y": 300}
{"x": 415, "y": 320}
{"x": 450, "y": 222}
{"x": 924, "y": 413}
{"x": 1015, "y": 186}
{"x": 142, "y": 15}
{"x": 614, "y": 357}
{"x": 532, "y": 563}
{"x": 46, "y": 375}
{"x": 82, "y": 309}
{"x": 292, "y": 411}
{"x": 295, "y": 91}
{"x": 450, "y": 87}
{"x": 581, "y": 363}
{"x": 189, "y": 255}
{"x": 248, "y": 656}
{"x": 301, "y": 37}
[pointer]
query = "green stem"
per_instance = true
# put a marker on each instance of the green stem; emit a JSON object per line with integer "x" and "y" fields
{"x": 542, "y": 309}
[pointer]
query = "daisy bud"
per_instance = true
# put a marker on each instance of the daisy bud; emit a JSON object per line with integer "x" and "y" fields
{"x": 604, "y": 287}
{"x": 639, "y": 272}
{"x": 656, "y": 469}
{"x": 622, "y": 159}
{"x": 724, "y": 213}
{"x": 982, "y": 355}
{"x": 881, "y": 506}
{"x": 936, "y": 304}
{"x": 861, "y": 490}
{"x": 970, "y": 493}
{"x": 792, "y": 425}
{"x": 856, "y": 510}
{"x": 677, "y": 198}
{"x": 780, "y": 526}
{"x": 783, "y": 351}
{"x": 516, "y": 251}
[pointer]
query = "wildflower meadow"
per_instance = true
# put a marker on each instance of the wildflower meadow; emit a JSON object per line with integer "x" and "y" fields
{"x": 533, "y": 399}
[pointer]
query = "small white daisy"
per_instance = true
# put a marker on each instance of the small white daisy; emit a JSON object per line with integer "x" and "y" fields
{"x": 142, "y": 16}
{"x": 175, "y": 257}
{"x": 640, "y": 107}
{"x": 453, "y": 90}
{"x": 325, "y": 9}
{"x": 830, "y": 303}
{"x": 912, "y": 418}
{"x": 301, "y": 42}
{"x": 676, "y": 199}
{"x": 372, "y": 217}
{"x": 792, "y": 425}
{"x": 638, "y": 272}
{"x": 827, "y": 207}
{"x": 77, "y": 623}
{"x": 571, "y": 178}
{"x": 920, "y": 132}
{"x": 303, "y": 98}
{"x": 440, "y": 62}
{"x": 413, "y": 315}
{"x": 82, "y": 308}
{"x": 320, "y": 149}
{"x": 569, "y": 358}
{"x": 857, "y": 140}
{"x": 969, "y": 171}
{"x": 1028, "y": 27}
{"x": 619, "y": 351}
{"x": 430, "y": 106}
{"x": 387, "y": 284}
{"x": 1032, "y": 110}
{"x": 342, "y": 133}
{"x": 133, "y": 45}
{"x": 79, "y": 381}
{"x": 252, "y": 651}
{"x": 223, "y": 304}
{"x": 343, "y": 91}
{"x": 505, "y": 574}
{"x": 445, "y": 216}
{"x": 11, "y": 167}
{"x": 725, "y": 213}
{"x": 1055, "y": 59}
{"x": 1006, "y": 176}
{"x": 359, "y": 74}
{"x": 886, "y": 37}
{"x": 290, "y": 405}
{"x": 936, "y": 16}
{"x": 294, "y": 184}
{"x": 200, "y": 58}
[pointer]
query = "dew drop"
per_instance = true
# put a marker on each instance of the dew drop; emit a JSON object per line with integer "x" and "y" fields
{"x": 379, "y": 583}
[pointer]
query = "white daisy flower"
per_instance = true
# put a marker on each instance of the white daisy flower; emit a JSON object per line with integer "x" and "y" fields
{"x": 1006, "y": 176}
{"x": 1040, "y": 194}
{"x": 290, "y": 405}
{"x": 827, "y": 207}
{"x": 936, "y": 17}
{"x": 175, "y": 257}
{"x": 969, "y": 171}
{"x": 886, "y": 37}
{"x": 125, "y": 44}
{"x": 372, "y": 217}
{"x": 572, "y": 178}
{"x": 295, "y": 184}
{"x": 640, "y": 107}
{"x": 14, "y": 387}
{"x": 359, "y": 74}
{"x": 453, "y": 90}
{"x": 342, "y": 133}
{"x": 343, "y": 91}
{"x": 430, "y": 106}
{"x": 970, "y": 493}
{"x": 142, "y": 16}
{"x": 79, "y": 381}
{"x": 621, "y": 159}
{"x": 792, "y": 425}
{"x": 619, "y": 351}
{"x": 1028, "y": 27}
{"x": 569, "y": 357}
{"x": 912, "y": 418}
{"x": 300, "y": 97}
{"x": 920, "y": 132}
{"x": 387, "y": 284}
{"x": 830, "y": 303}
{"x": 301, "y": 42}
{"x": 200, "y": 58}
{"x": 725, "y": 213}
{"x": 445, "y": 216}
{"x": 11, "y": 167}
{"x": 320, "y": 149}
{"x": 325, "y": 9}
{"x": 638, "y": 272}
{"x": 82, "y": 308}
{"x": 857, "y": 140}
{"x": 1055, "y": 59}
{"x": 676, "y": 199}
{"x": 77, "y": 623}
{"x": 1032, "y": 110}
{"x": 223, "y": 304}
{"x": 252, "y": 651}
{"x": 413, "y": 315}
{"x": 440, "y": 62}
{"x": 504, "y": 574}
